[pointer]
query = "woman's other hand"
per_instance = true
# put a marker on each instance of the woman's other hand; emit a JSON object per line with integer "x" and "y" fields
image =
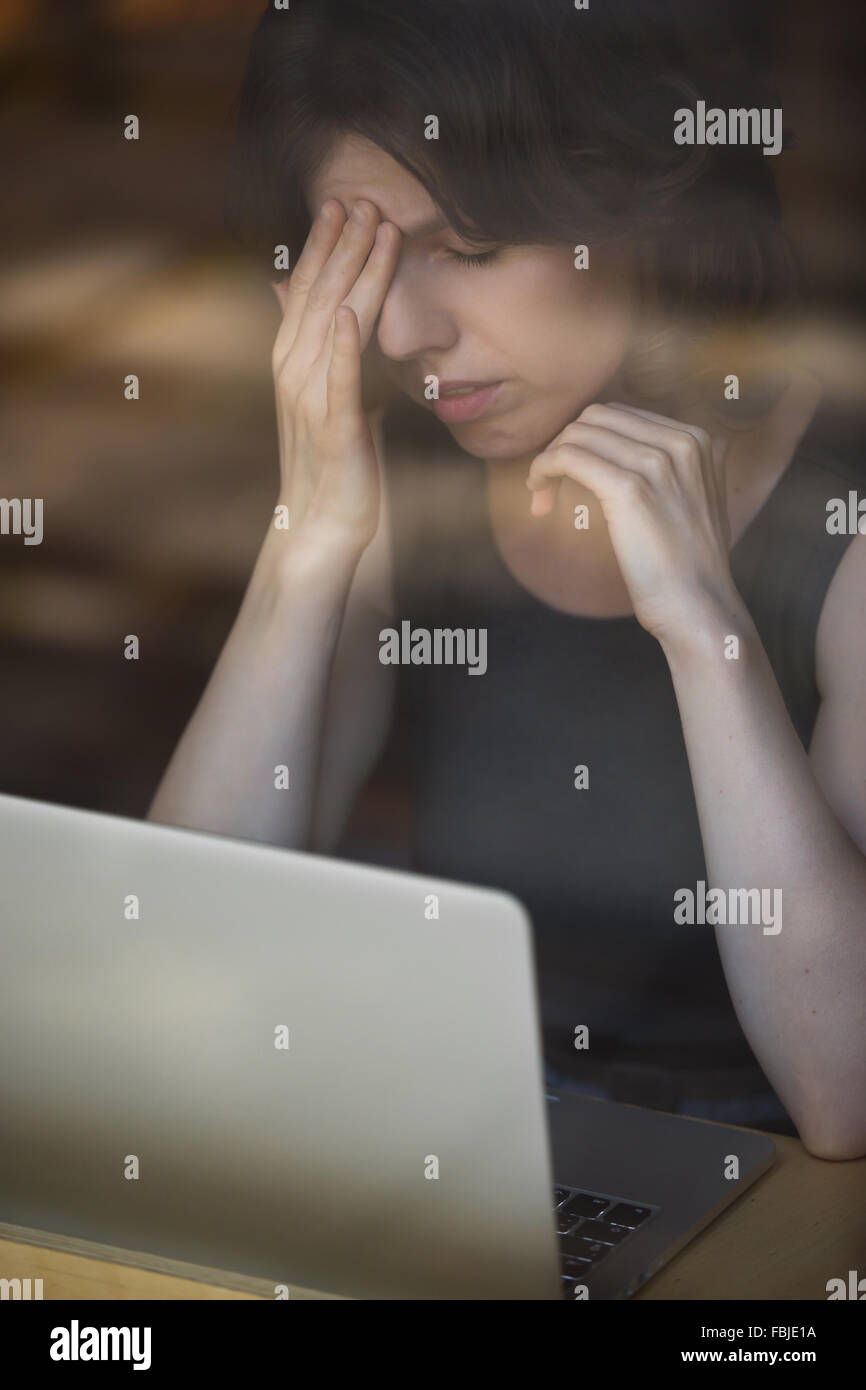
{"x": 661, "y": 487}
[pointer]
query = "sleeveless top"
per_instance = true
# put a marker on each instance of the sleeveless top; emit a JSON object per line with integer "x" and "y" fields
{"x": 491, "y": 764}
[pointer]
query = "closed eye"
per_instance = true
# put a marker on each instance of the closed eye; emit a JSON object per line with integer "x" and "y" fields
{"x": 481, "y": 258}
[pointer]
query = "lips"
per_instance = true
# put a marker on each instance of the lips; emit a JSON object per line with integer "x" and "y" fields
{"x": 464, "y": 400}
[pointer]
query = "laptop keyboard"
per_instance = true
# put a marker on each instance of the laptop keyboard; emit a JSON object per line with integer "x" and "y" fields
{"x": 588, "y": 1227}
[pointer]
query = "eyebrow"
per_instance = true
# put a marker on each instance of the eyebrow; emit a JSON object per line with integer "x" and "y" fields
{"x": 441, "y": 223}
{"x": 433, "y": 224}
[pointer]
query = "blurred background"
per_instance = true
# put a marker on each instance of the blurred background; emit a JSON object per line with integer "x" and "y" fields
{"x": 114, "y": 258}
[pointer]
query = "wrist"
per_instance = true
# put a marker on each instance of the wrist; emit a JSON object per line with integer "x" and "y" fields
{"x": 711, "y": 628}
{"x": 305, "y": 575}
{"x": 313, "y": 550}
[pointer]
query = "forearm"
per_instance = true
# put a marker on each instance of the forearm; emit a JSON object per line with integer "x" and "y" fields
{"x": 799, "y": 992}
{"x": 263, "y": 706}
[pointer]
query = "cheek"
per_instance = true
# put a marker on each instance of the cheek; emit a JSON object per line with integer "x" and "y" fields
{"x": 563, "y": 327}
{"x": 592, "y": 338}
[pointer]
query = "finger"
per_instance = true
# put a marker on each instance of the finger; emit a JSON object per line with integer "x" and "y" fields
{"x": 688, "y": 446}
{"x": 603, "y": 443}
{"x": 368, "y": 292}
{"x": 335, "y": 280}
{"x": 700, "y": 434}
{"x": 281, "y": 290}
{"x": 720, "y": 473}
{"x": 633, "y": 453}
{"x": 323, "y": 236}
{"x": 543, "y": 500}
{"x": 713, "y": 451}
{"x": 611, "y": 484}
{"x": 659, "y": 453}
{"x": 344, "y": 368}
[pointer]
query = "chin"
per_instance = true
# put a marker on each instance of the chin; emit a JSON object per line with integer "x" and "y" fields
{"x": 492, "y": 440}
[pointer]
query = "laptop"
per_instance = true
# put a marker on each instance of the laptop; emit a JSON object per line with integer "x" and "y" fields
{"x": 306, "y": 1077}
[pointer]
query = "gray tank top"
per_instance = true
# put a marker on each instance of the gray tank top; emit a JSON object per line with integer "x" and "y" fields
{"x": 491, "y": 760}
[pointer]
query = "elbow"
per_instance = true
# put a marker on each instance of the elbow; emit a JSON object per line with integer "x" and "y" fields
{"x": 836, "y": 1138}
{"x": 828, "y": 1107}
{"x": 835, "y": 1151}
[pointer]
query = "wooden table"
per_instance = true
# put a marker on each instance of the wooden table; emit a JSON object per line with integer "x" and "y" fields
{"x": 802, "y": 1223}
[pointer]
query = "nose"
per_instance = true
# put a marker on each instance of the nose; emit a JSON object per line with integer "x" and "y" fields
{"x": 413, "y": 320}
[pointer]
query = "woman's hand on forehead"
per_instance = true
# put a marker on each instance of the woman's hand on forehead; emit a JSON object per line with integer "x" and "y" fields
{"x": 330, "y": 303}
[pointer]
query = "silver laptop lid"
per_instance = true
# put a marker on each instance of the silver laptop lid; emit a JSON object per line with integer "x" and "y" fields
{"x": 323, "y": 1074}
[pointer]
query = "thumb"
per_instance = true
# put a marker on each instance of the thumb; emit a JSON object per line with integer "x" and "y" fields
{"x": 281, "y": 289}
{"x": 720, "y": 450}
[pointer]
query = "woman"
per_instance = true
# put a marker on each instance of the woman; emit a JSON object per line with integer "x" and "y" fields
{"x": 598, "y": 464}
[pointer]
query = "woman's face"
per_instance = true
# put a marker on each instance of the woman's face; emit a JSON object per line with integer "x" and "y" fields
{"x": 548, "y": 336}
